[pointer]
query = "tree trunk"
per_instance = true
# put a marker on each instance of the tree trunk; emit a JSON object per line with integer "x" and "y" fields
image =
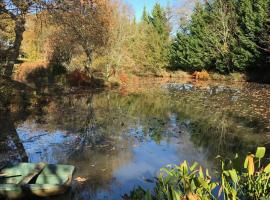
{"x": 14, "y": 51}
{"x": 11, "y": 147}
{"x": 88, "y": 51}
{"x": 268, "y": 37}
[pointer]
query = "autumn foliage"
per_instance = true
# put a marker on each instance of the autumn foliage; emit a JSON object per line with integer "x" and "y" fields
{"x": 27, "y": 68}
{"x": 203, "y": 75}
{"x": 78, "y": 78}
{"x": 123, "y": 78}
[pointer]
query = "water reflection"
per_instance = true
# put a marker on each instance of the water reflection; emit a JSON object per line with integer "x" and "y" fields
{"x": 119, "y": 139}
{"x": 11, "y": 147}
{"x": 42, "y": 145}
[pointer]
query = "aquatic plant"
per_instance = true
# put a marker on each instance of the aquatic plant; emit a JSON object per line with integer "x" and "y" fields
{"x": 193, "y": 183}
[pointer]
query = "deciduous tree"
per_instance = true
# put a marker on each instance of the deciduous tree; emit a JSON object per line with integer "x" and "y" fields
{"x": 17, "y": 10}
{"x": 87, "y": 22}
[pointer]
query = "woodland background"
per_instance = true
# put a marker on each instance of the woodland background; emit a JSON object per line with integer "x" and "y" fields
{"x": 102, "y": 38}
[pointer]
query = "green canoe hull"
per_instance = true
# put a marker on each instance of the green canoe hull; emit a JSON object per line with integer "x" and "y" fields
{"x": 53, "y": 180}
{"x": 15, "y": 192}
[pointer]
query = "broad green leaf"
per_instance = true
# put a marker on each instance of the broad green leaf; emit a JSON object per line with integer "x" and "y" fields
{"x": 148, "y": 195}
{"x": 233, "y": 175}
{"x": 193, "y": 186}
{"x": 246, "y": 163}
{"x": 193, "y": 167}
{"x": 226, "y": 173}
{"x": 176, "y": 195}
{"x": 201, "y": 173}
{"x": 184, "y": 167}
{"x": 213, "y": 185}
{"x": 234, "y": 193}
{"x": 260, "y": 153}
{"x": 267, "y": 168}
{"x": 203, "y": 182}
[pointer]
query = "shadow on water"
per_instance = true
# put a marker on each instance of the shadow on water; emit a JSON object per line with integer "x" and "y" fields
{"x": 11, "y": 147}
{"x": 119, "y": 140}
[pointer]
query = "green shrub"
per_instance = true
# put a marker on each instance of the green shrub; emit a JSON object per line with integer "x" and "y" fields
{"x": 192, "y": 183}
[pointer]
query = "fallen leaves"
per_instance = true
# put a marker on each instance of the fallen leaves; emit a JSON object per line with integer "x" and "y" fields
{"x": 80, "y": 180}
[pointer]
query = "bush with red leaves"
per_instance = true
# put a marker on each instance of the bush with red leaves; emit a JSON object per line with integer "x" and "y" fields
{"x": 78, "y": 78}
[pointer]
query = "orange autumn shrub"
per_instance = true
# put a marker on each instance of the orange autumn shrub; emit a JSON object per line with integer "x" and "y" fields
{"x": 123, "y": 78}
{"x": 203, "y": 75}
{"x": 27, "y": 68}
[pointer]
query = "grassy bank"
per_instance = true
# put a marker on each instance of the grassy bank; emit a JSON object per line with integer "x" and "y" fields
{"x": 41, "y": 74}
{"x": 130, "y": 78}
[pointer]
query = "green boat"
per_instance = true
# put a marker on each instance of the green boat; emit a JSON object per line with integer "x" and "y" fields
{"x": 42, "y": 180}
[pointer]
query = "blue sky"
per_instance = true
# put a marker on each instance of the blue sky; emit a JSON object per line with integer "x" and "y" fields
{"x": 139, "y": 4}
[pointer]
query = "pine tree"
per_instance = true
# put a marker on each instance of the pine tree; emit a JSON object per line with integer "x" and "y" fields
{"x": 159, "y": 20}
{"x": 191, "y": 49}
{"x": 267, "y": 39}
{"x": 145, "y": 17}
{"x": 252, "y": 21}
{"x": 158, "y": 37}
{"x": 223, "y": 35}
{"x": 153, "y": 40}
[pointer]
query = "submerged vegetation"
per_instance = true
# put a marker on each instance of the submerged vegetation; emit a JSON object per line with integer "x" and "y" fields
{"x": 193, "y": 183}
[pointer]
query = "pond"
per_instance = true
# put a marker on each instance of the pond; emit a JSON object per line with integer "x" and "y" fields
{"x": 119, "y": 139}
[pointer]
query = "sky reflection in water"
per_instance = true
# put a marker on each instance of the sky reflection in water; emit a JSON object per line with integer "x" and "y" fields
{"x": 119, "y": 140}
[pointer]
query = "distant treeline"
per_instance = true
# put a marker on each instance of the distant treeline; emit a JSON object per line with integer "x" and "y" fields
{"x": 223, "y": 36}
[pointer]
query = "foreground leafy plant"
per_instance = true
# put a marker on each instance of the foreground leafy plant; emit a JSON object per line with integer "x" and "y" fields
{"x": 193, "y": 183}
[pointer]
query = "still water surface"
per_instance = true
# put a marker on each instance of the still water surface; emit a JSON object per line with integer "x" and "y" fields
{"x": 119, "y": 139}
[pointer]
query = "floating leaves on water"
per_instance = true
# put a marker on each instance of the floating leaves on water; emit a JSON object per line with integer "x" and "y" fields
{"x": 80, "y": 180}
{"x": 113, "y": 149}
{"x": 135, "y": 145}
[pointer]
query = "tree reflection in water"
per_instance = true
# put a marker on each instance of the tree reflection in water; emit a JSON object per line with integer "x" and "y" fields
{"x": 117, "y": 139}
{"x": 11, "y": 147}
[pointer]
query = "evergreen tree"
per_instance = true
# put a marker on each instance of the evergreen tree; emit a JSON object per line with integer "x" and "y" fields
{"x": 158, "y": 37}
{"x": 267, "y": 40}
{"x": 159, "y": 21}
{"x": 145, "y": 17}
{"x": 252, "y": 21}
{"x": 223, "y": 35}
{"x": 152, "y": 40}
{"x": 188, "y": 50}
